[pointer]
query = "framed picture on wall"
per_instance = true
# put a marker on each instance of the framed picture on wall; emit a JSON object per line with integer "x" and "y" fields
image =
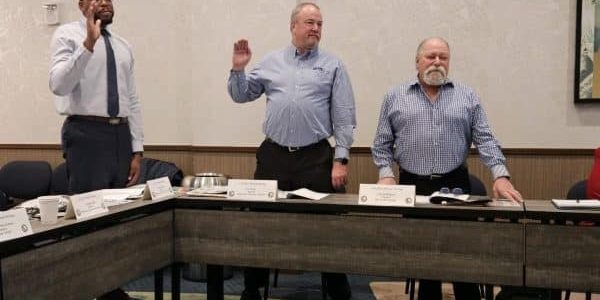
{"x": 587, "y": 52}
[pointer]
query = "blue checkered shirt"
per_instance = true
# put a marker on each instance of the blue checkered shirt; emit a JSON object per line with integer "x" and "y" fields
{"x": 426, "y": 137}
{"x": 309, "y": 97}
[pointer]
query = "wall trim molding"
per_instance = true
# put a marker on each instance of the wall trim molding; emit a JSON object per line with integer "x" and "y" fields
{"x": 355, "y": 150}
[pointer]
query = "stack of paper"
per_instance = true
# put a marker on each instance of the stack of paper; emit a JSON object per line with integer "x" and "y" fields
{"x": 301, "y": 193}
{"x": 214, "y": 191}
{"x": 576, "y": 204}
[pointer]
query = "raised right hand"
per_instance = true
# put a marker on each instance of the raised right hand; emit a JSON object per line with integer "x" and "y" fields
{"x": 241, "y": 55}
{"x": 93, "y": 26}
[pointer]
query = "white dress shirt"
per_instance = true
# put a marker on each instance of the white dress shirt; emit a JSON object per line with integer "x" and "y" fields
{"x": 79, "y": 81}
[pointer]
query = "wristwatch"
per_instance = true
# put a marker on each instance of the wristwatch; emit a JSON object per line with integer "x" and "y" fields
{"x": 341, "y": 160}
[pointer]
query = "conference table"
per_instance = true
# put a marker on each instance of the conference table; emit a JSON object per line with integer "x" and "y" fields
{"x": 562, "y": 247}
{"x": 496, "y": 245}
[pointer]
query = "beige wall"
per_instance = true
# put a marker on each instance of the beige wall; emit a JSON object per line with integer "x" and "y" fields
{"x": 517, "y": 54}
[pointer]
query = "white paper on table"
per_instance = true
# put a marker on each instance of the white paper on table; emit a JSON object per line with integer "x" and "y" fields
{"x": 213, "y": 191}
{"x": 131, "y": 193}
{"x": 114, "y": 197}
{"x": 419, "y": 199}
{"x": 34, "y": 203}
{"x": 576, "y": 204}
{"x": 303, "y": 192}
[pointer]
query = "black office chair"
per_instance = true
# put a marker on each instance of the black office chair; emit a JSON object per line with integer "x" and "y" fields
{"x": 477, "y": 189}
{"x": 151, "y": 168}
{"x": 578, "y": 191}
{"x": 24, "y": 180}
{"x": 60, "y": 181}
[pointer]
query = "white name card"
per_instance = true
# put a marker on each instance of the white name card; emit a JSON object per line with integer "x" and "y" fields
{"x": 14, "y": 224}
{"x": 252, "y": 190}
{"x": 159, "y": 189}
{"x": 87, "y": 205}
{"x": 386, "y": 195}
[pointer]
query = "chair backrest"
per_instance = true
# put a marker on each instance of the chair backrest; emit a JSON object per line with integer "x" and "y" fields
{"x": 60, "y": 181}
{"x": 25, "y": 179}
{"x": 153, "y": 168}
{"x": 477, "y": 187}
{"x": 578, "y": 190}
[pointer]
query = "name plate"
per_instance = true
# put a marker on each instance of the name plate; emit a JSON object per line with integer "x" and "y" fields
{"x": 252, "y": 190}
{"x": 159, "y": 189}
{"x": 86, "y": 205}
{"x": 386, "y": 195}
{"x": 14, "y": 224}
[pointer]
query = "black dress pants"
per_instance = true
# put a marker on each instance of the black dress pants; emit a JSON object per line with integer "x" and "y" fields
{"x": 458, "y": 178}
{"x": 308, "y": 167}
{"x": 98, "y": 154}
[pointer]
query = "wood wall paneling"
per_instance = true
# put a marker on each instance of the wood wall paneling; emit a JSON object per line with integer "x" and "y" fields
{"x": 537, "y": 173}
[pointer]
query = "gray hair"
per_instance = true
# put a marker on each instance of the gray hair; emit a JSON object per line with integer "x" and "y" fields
{"x": 299, "y": 7}
{"x": 422, "y": 43}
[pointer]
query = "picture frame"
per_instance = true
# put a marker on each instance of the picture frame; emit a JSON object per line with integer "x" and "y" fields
{"x": 587, "y": 52}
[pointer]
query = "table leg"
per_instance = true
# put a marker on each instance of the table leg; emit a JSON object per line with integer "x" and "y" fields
{"x": 158, "y": 284}
{"x": 214, "y": 282}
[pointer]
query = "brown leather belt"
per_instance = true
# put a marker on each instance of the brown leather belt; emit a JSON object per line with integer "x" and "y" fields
{"x": 107, "y": 120}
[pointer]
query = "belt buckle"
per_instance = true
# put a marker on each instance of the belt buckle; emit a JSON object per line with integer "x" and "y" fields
{"x": 435, "y": 176}
{"x": 293, "y": 149}
{"x": 114, "y": 121}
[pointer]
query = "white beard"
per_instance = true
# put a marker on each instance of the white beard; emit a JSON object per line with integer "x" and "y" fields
{"x": 435, "y": 76}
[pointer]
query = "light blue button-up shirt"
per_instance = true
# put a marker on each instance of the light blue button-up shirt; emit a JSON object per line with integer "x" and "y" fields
{"x": 309, "y": 97}
{"x": 426, "y": 137}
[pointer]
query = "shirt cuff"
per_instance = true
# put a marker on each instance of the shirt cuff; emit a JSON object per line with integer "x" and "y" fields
{"x": 386, "y": 172}
{"x": 499, "y": 171}
{"x": 137, "y": 146}
{"x": 341, "y": 152}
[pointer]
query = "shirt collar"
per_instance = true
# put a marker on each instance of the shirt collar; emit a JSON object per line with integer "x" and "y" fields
{"x": 293, "y": 52}
{"x": 415, "y": 83}
{"x": 83, "y": 21}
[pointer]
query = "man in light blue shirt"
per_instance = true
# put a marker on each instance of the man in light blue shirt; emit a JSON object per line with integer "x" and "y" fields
{"x": 309, "y": 99}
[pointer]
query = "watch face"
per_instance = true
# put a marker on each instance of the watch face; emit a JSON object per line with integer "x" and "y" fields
{"x": 343, "y": 161}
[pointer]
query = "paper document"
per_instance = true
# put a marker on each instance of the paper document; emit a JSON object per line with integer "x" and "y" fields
{"x": 214, "y": 191}
{"x": 114, "y": 197}
{"x": 302, "y": 193}
{"x": 576, "y": 204}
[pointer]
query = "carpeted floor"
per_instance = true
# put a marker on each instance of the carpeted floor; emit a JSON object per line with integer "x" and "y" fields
{"x": 294, "y": 286}
{"x": 394, "y": 290}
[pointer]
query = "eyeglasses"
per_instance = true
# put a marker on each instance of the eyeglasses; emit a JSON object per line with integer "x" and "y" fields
{"x": 455, "y": 191}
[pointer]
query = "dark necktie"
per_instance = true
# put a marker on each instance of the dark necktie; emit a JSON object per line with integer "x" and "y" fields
{"x": 111, "y": 75}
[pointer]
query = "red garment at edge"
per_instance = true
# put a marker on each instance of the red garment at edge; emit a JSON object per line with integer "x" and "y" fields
{"x": 593, "y": 183}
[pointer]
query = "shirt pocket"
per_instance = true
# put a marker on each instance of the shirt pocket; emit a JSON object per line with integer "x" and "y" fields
{"x": 322, "y": 74}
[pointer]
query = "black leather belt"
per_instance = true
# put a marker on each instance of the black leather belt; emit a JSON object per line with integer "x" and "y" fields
{"x": 107, "y": 120}
{"x": 291, "y": 149}
{"x": 405, "y": 173}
